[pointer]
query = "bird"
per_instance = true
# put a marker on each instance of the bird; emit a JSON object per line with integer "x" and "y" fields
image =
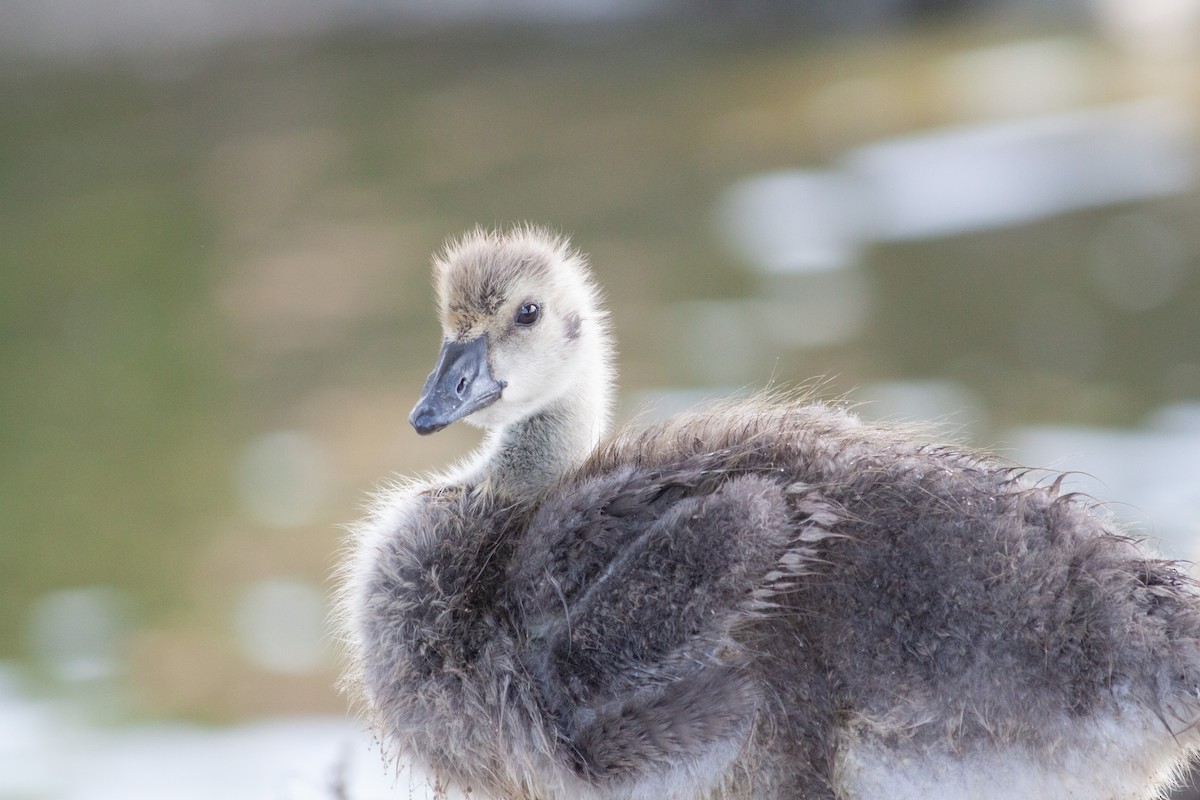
{"x": 765, "y": 598}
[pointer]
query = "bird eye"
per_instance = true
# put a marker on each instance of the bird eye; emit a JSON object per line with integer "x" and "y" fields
{"x": 529, "y": 314}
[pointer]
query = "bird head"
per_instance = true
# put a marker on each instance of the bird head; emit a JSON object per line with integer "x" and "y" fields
{"x": 520, "y": 320}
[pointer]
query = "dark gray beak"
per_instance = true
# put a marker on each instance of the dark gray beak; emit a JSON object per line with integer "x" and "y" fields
{"x": 459, "y": 385}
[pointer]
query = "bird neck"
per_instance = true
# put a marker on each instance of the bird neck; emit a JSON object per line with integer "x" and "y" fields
{"x": 524, "y": 458}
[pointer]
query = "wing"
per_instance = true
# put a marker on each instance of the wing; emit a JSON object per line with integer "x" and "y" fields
{"x": 629, "y": 587}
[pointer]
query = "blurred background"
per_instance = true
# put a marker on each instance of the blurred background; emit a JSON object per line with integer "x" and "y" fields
{"x": 215, "y": 312}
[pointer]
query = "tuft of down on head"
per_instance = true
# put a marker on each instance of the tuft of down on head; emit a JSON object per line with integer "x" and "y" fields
{"x": 532, "y": 295}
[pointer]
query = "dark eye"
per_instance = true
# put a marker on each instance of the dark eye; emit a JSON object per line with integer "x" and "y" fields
{"x": 529, "y": 314}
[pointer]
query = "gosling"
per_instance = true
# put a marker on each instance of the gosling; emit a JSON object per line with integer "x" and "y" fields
{"x": 770, "y": 599}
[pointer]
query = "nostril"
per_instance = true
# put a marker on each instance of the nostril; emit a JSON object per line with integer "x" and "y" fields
{"x": 462, "y": 386}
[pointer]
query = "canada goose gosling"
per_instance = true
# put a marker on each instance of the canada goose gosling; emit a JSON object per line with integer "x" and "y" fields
{"x": 768, "y": 600}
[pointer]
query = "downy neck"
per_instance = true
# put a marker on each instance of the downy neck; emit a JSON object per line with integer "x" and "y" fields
{"x": 523, "y": 459}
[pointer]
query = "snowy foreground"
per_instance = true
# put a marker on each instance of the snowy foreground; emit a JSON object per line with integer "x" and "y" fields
{"x": 48, "y": 751}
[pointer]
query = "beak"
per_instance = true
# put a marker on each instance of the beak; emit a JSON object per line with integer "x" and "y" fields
{"x": 459, "y": 385}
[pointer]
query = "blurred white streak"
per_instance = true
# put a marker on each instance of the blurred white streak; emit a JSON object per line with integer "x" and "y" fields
{"x": 958, "y": 181}
{"x": 280, "y": 626}
{"x": 1183, "y": 418}
{"x": 991, "y": 176}
{"x": 794, "y": 221}
{"x": 1154, "y": 471}
{"x": 27, "y": 728}
{"x": 49, "y": 749}
{"x": 283, "y": 478}
{"x": 1152, "y": 28}
{"x": 1020, "y": 78}
{"x": 58, "y": 755}
{"x": 78, "y": 633}
{"x": 555, "y": 11}
{"x": 91, "y": 27}
{"x": 151, "y": 27}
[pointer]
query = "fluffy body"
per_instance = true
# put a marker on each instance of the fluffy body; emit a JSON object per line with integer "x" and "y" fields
{"x": 769, "y": 600}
